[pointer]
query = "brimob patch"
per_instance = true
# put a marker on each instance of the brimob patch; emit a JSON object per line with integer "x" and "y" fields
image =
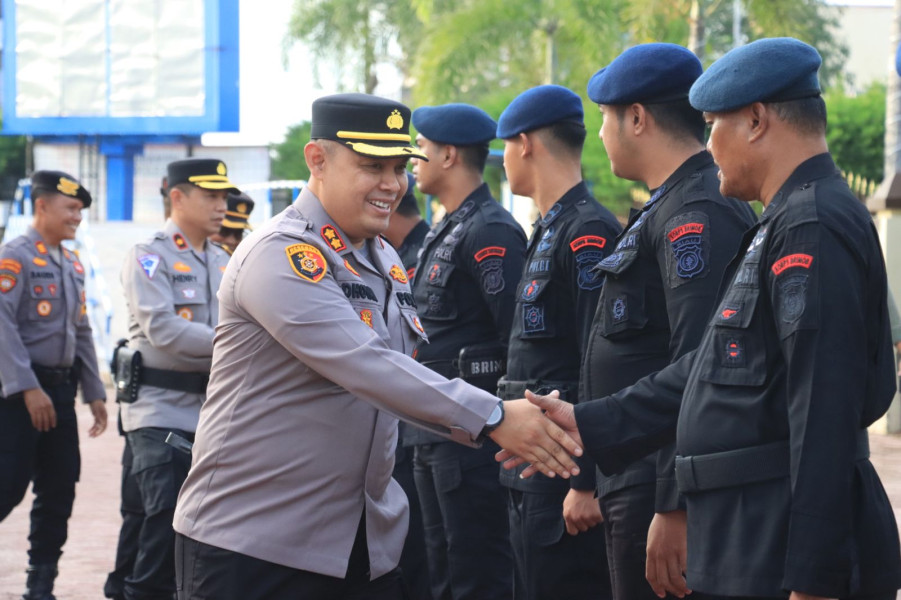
{"x": 150, "y": 263}
{"x": 687, "y": 242}
{"x": 307, "y": 261}
{"x": 533, "y": 318}
{"x": 587, "y": 240}
{"x": 332, "y": 238}
{"x": 398, "y": 274}
{"x": 491, "y": 273}
{"x": 185, "y": 313}
{"x": 489, "y": 251}
{"x": 366, "y": 317}
{"x": 791, "y": 261}
{"x": 793, "y": 297}
{"x": 44, "y": 308}
{"x": 7, "y": 282}
{"x": 590, "y": 278}
{"x": 180, "y": 242}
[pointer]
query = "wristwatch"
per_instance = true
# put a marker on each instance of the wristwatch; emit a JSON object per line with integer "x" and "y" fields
{"x": 494, "y": 420}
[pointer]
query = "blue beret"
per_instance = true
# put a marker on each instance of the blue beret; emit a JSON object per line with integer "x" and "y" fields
{"x": 539, "y": 107}
{"x": 898, "y": 60}
{"x": 455, "y": 124}
{"x": 768, "y": 70}
{"x": 646, "y": 73}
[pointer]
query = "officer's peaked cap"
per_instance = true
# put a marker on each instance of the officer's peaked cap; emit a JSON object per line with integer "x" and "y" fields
{"x": 207, "y": 173}
{"x": 57, "y": 182}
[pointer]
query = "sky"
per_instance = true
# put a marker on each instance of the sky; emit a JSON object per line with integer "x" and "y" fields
{"x": 275, "y": 96}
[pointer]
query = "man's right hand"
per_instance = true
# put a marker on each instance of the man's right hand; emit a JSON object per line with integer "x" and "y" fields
{"x": 43, "y": 415}
{"x": 581, "y": 511}
{"x": 667, "y": 553}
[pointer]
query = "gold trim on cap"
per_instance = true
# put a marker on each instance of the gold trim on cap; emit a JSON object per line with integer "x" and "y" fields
{"x": 194, "y": 178}
{"x": 380, "y": 137}
{"x": 236, "y": 224}
{"x": 386, "y": 151}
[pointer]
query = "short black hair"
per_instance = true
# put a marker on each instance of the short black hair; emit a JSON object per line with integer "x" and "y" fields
{"x": 678, "y": 119}
{"x": 807, "y": 115}
{"x": 567, "y": 136}
{"x": 474, "y": 157}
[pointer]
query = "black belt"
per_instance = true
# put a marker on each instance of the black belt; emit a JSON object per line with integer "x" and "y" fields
{"x": 53, "y": 376}
{"x": 745, "y": 465}
{"x": 193, "y": 383}
{"x": 511, "y": 390}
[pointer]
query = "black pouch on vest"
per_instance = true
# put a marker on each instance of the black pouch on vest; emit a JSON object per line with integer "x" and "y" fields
{"x": 483, "y": 364}
{"x": 128, "y": 374}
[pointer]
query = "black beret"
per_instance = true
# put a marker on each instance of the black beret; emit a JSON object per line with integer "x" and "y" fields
{"x": 367, "y": 124}
{"x": 237, "y": 212}
{"x": 539, "y": 107}
{"x": 208, "y": 173}
{"x": 57, "y": 182}
{"x": 455, "y": 124}
{"x": 768, "y": 70}
{"x": 648, "y": 73}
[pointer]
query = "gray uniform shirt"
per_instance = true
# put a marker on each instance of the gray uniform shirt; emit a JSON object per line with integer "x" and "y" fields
{"x": 43, "y": 318}
{"x": 170, "y": 289}
{"x": 296, "y": 439}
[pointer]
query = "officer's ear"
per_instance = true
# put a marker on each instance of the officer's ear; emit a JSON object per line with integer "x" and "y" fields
{"x": 315, "y": 155}
{"x": 757, "y": 118}
{"x": 637, "y": 117}
{"x": 527, "y": 144}
{"x": 449, "y": 156}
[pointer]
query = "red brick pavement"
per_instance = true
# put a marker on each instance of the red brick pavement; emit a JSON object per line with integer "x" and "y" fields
{"x": 91, "y": 548}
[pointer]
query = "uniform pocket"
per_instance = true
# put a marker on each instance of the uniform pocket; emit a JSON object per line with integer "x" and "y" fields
{"x": 738, "y": 356}
{"x": 436, "y": 299}
{"x": 537, "y": 308}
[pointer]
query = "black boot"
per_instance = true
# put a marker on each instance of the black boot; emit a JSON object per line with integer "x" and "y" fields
{"x": 39, "y": 584}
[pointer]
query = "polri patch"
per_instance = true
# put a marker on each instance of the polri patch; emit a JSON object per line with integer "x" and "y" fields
{"x": 687, "y": 243}
{"x": 489, "y": 251}
{"x": 398, "y": 274}
{"x": 590, "y": 278}
{"x": 793, "y": 297}
{"x": 585, "y": 241}
{"x": 491, "y": 274}
{"x": 150, "y": 263}
{"x": 180, "y": 242}
{"x": 332, "y": 238}
{"x": 791, "y": 261}
{"x": 7, "y": 282}
{"x": 307, "y": 261}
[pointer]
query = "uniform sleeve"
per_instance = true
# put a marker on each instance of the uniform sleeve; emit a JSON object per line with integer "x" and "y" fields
{"x": 618, "y": 430}
{"x": 495, "y": 257}
{"x": 693, "y": 248}
{"x": 326, "y": 334}
{"x": 589, "y": 244}
{"x": 86, "y": 355}
{"x": 817, "y": 288}
{"x": 149, "y": 295}
{"x": 15, "y": 363}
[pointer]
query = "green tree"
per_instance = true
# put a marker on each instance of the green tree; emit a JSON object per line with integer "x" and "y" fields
{"x": 856, "y": 132}
{"x": 287, "y": 157}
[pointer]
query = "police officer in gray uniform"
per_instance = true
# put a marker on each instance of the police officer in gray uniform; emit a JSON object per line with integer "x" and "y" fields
{"x": 290, "y": 493}
{"x": 170, "y": 283}
{"x": 46, "y": 350}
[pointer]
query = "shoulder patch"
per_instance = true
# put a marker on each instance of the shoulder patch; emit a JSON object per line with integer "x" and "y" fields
{"x": 182, "y": 267}
{"x": 398, "y": 274}
{"x": 180, "y": 241}
{"x": 590, "y": 278}
{"x": 149, "y": 262}
{"x": 7, "y": 282}
{"x": 10, "y": 264}
{"x": 307, "y": 261}
{"x": 489, "y": 251}
{"x": 587, "y": 240}
{"x": 790, "y": 261}
{"x": 688, "y": 235}
{"x": 491, "y": 275}
{"x": 332, "y": 238}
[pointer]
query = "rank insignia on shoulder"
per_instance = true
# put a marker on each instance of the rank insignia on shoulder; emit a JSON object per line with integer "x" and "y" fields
{"x": 180, "y": 242}
{"x": 307, "y": 261}
{"x": 180, "y": 266}
{"x": 366, "y": 317}
{"x": 10, "y": 264}
{"x": 411, "y": 272}
{"x": 39, "y": 261}
{"x": 332, "y": 238}
{"x": 41, "y": 247}
{"x": 790, "y": 261}
{"x": 44, "y": 308}
{"x": 398, "y": 274}
{"x": 7, "y": 282}
{"x": 149, "y": 262}
{"x": 185, "y": 313}
{"x": 418, "y": 325}
{"x": 587, "y": 240}
{"x": 489, "y": 251}
{"x": 350, "y": 268}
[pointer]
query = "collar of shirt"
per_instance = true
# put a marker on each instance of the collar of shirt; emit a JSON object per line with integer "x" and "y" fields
{"x": 816, "y": 167}
{"x": 575, "y": 193}
{"x": 173, "y": 233}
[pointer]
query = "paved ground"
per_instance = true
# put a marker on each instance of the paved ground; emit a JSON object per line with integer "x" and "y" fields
{"x": 94, "y": 525}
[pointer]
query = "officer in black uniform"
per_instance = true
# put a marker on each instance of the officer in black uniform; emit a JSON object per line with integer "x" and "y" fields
{"x": 464, "y": 290}
{"x": 660, "y": 283}
{"x": 770, "y": 412}
{"x": 543, "y": 130}
{"x": 46, "y": 351}
{"x": 406, "y": 232}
